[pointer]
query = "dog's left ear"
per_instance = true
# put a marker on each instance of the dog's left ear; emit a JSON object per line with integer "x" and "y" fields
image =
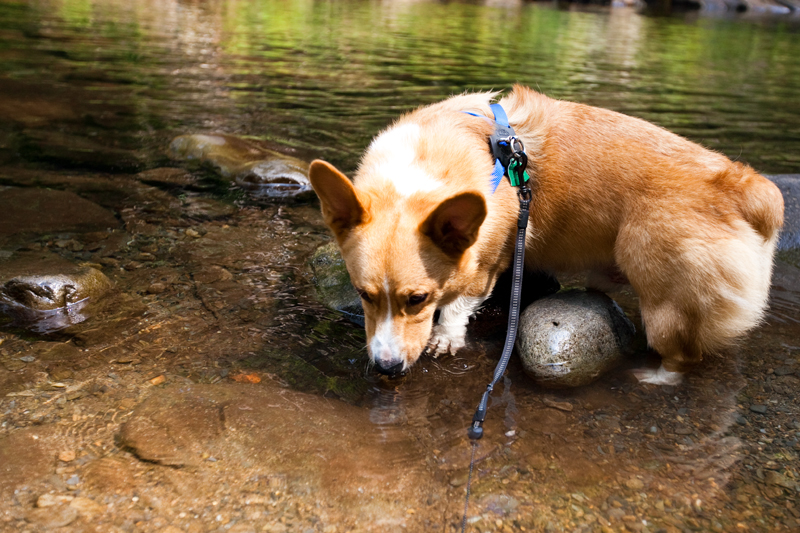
{"x": 341, "y": 208}
{"x": 453, "y": 226}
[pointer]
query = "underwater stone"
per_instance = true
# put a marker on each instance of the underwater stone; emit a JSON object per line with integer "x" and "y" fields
{"x": 332, "y": 282}
{"x": 261, "y": 171}
{"x": 571, "y": 338}
{"x": 46, "y": 294}
{"x": 33, "y": 210}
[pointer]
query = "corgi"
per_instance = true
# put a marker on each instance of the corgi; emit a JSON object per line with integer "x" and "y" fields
{"x": 420, "y": 228}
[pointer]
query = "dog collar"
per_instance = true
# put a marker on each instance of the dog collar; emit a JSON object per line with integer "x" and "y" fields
{"x": 507, "y": 150}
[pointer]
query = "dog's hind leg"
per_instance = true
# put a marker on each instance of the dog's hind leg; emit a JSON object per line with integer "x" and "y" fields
{"x": 700, "y": 286}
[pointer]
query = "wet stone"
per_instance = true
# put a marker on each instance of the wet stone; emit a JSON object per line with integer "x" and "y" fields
{"x": 45, "y": 293}
{"x": 177, "y": 177}
{"x": 332, "y": 282}
{"x": 33, "y": 210}
{"x": 571, "y": 338}
{"x": 261, "y": 171}
{"x": 53, "y": 517}
{"x": 757, "y": 408}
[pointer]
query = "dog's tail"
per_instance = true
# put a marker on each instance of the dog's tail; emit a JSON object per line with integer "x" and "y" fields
{"x": 760, "y": 201}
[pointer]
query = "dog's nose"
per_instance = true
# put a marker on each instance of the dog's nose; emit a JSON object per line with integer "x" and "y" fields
{"x": 391, "y": 367}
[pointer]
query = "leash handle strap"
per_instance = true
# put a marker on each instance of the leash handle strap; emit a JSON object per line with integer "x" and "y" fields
{"x": 476, "y": 429}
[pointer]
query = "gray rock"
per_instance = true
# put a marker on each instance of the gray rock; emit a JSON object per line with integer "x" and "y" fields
{"x": 789, "y": 244}
{"x": 571, "y": 338}
{"x": 332, "y": 282}
{"x": 760, "y": 409}
{"x": 261, "y": 171}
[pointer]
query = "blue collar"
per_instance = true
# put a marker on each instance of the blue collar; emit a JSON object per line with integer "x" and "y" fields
{"x": 503, "y": 131}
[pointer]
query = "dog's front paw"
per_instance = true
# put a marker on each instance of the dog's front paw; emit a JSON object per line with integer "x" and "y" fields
{"x": 447, "y": 340}
{"x": 659, "y": 376}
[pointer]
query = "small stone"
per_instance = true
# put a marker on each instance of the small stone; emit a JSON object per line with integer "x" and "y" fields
{"x": 27, "y": 359}
{"x": 49, "y": 500}
{"x": 772, "y": 477}
{"x": 457, "y": 481}
{"x": 683, "y": 430}
{"x": 73, "y": 480}
{"x": 634, "y": 484}
{"x": 158, "y": 380}
{"x": 192, "y": 233}
{"x": 86, "y": 507}
{"x": 67, "y": 456}
{"x": 53, "y": 517}
{"x": 157, "y": 288}
{"x": 561, "y": 406}
{"x": 758, "y": 408}
{"x": 740, "y": 419}
{"x": 171, "y": 529}
{"x": 145, "y": 256}
{"x": 784, "y": 371}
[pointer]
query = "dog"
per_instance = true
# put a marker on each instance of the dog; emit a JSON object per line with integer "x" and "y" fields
{"x": 420, "y": 229}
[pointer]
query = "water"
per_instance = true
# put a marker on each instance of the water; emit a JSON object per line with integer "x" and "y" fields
{"x": 212, "y": 282}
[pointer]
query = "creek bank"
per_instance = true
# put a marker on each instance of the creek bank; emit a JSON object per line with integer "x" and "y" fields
{"x": 571, "y": 338}
{"x": 260, "y": 171}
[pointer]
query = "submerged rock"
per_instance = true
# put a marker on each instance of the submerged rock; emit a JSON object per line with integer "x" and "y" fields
{"x": 332, "y": 282}
{"x": 571, "y": 338}
{"x": 33, "y": 210}
{"x": 261, "y": 171}
{"x": 46, "y": 294}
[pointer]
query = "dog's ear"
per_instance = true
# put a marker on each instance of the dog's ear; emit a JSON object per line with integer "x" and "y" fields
{"x": 453, "y": 226}
{"x": 340, "y": 206}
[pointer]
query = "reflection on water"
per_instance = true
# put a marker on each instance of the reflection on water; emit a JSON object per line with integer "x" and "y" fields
{"x": 214, "y": 284}
{"x": 325, "y": 77}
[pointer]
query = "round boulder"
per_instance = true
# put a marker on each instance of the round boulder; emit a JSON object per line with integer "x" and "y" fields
{"x": 571, "y": 338}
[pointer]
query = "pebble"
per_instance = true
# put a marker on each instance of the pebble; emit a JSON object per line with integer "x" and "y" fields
{"x": 73, "y": 480}
{"x": 49, "y": 500}
{"x": 192, "y": 233}
{"x": 156, "y": 288}
{"x": 86, "y": 507}
{"x": 758, "y": 408}
{"x": 67, "y": 456}
{"x": 53, "y": 517}
{"x": 634, "y": 484}
{"x": 772, "y": 477}
{"x": 27, "y": 359}
{"x": 561, "y": 406}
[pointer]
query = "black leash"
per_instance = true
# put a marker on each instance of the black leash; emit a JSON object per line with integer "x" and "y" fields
{"x": 511, "y": 153}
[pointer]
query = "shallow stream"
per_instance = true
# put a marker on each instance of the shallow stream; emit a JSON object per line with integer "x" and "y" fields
{"x": 209, "y": 390}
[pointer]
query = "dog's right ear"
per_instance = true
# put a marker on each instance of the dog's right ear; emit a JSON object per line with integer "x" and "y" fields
{"x": 340, "y": 206}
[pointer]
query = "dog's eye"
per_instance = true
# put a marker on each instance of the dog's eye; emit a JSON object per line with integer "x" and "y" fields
{"x": 364, "y": 296}
{"x": 416, "y": 299}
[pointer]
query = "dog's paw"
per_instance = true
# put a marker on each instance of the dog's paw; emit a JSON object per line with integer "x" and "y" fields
{"x": 658, "y": 376}
{"x": 446, "y": 340}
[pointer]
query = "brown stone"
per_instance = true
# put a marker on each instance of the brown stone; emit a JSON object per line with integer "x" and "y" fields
{"x": 32, "y": 210}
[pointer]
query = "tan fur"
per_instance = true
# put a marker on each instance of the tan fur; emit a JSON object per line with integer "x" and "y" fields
{"x": 692, "y": 231}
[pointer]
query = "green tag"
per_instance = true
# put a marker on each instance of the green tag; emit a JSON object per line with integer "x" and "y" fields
{"x": 514, "y": 175}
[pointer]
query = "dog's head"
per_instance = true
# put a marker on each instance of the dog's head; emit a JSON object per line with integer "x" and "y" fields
{"x": 407, "y": 252}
